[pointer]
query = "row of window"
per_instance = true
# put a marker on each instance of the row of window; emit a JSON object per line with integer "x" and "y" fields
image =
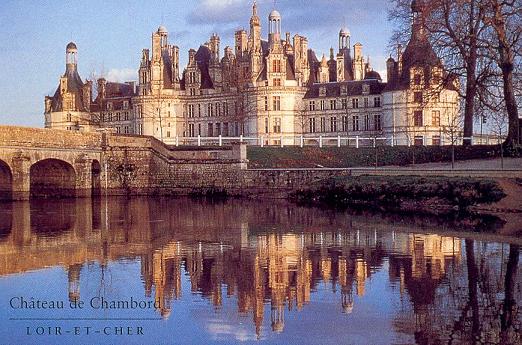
{"x": 212, "y": 109}
{"x": 110, "y": 117}
{"x": 333, "y": 104}
{"x": 420, "y": 140}
{"x": 347, "y": 123}
{"x": 418, "y": 118}
{"x": 110, "y": 105}
{"x": 214, "y": 129}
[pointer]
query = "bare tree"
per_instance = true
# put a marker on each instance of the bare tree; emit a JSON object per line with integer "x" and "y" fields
{"x": 504, "y": 17}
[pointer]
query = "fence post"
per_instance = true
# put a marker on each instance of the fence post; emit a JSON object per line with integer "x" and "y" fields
{"x": 357, "y": 141}
{"x": 262, "y": 141}
{"x": 241, "y": 138}
{"x": 177, "y": 140}
{"x": 338, "y": 141}
{"x": 374, "y": 142}
{"x": 320, "y": 141}
{"x": 302, "y": 141}
{"x": 199, "y": 140}
{"x": 282, "y": 144}
{"x": 392, "y": 141}
{"x": 220, "y": 140}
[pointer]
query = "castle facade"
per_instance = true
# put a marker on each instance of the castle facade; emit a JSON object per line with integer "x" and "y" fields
{"x": 276, "y": 90}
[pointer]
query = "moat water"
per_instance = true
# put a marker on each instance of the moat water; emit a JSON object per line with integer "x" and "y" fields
{"x": 182, "y": 271}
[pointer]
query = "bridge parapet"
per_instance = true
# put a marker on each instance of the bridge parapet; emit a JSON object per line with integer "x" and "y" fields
{"x": 120, "y": 164}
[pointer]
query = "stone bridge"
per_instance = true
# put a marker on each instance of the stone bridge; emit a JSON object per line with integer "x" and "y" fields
{"x": 37, "y": 163}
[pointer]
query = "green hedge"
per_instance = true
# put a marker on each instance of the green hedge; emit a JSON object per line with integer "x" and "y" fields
{"x": 347, "y": 157}
{"x": 393, "y": 192}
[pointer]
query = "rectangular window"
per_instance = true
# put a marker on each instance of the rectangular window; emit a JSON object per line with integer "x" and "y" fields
{"x": 333, "y": 124}
{"x": 417, "y": 118}
{"x": 210, "y": 110}
{"x": 277, "y": 82}
{"x": 225, "y": 129}
{"x": 417, "y": 79}
{"x": 366, "y": 102}
{"x": 312, "y": 125}
{"x": 435, "y": 118}
{"x": 266, "y": 125}
{"x": 277, "y": 103}
{"x": 345, "y": 123}
{"x": 366, "y": 122}
{"x": 355, "y": 103}
{"x": 344, "y": 103}
{"x": 218, "y": 129}
{"x": 168, "y": 134}
{"x": 276, "y": 67}
{"x": 218, "y": 109}
{"x": 333, "y": 104}
{"x": 323, "y": 124}
{"x": 311, "y": 106}
{"x": 355, "y": 124}
{"x": 277, "y": 125}
{"x": 191, "y": 110}
{"x": 435, "y": 140}
{"x": 377, "y": 102}
{"x": 418, "y": 141}
{"x": 126, "y": 129}
{"x": 323, "y": 105}
{"x": 225, "y": 108}
{"x": 417, "y": 97}
{"x": 199, "y": 128}
{"x": 377, "y": 122}
{"x": 210, "y": 130}
{"x": 266, "y": 103}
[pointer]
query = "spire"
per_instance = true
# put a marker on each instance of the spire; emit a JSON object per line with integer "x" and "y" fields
{"x": 254, "y": 20}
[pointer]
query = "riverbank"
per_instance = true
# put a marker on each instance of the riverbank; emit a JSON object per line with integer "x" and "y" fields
{"x": 402, "y": 193}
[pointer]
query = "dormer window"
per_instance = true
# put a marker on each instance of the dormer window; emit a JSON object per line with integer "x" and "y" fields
{"x": 366, "y": 89}
{"x": 322, "y": 91}
{"x": 125, "y": 105}
{"x": 109, "y": 106}
{"x": 417, "y": 79}
{"x": 344, "y": 90}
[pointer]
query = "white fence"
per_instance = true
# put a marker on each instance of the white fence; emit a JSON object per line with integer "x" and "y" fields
{"x": 329, "y": 141}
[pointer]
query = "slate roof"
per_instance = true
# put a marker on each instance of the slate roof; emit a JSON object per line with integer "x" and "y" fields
{"x": 74, "y": 85}
{"x": 354, "y": 88}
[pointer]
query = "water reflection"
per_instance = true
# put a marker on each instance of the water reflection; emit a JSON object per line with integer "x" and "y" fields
{"x": 272, "y": 258}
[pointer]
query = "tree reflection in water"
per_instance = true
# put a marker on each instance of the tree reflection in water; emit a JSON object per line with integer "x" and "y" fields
{"x": 273, "y": 257}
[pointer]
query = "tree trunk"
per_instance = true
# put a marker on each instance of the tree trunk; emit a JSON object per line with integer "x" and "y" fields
{"x": 473, "y": 289}
{"x": 507, "y": 66}
{"x": 471, "y": 93}
{"x": 509, "y": 314}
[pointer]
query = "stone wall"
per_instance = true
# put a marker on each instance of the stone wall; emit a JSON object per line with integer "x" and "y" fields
{"x": 116, "y": 164}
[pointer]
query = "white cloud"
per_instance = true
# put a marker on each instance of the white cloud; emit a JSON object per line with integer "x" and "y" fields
{"x": 122, "y": 75}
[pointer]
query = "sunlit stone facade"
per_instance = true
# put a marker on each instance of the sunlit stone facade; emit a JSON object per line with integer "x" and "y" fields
{"x": 276, "y": 90}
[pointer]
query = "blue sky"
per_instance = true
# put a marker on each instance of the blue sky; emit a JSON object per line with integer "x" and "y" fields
{"x": 111, "y": 34}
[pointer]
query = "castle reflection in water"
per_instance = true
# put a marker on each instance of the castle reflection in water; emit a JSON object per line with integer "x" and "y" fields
{"x": 270, "y": 256}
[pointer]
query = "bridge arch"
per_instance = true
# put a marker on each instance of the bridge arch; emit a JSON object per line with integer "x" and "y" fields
{"x": 52, "y": 178}
{"x": 6, "y": 181}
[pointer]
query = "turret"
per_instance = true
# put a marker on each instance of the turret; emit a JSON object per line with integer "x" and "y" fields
{"x": 274, "y": 22}
{"x": 71, "y": 56}
{"x": 344, "y": 39}
{"x": 241, "y": 42}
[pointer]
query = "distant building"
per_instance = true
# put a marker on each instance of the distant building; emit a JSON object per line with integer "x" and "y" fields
{"x": 276, "y": 89}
